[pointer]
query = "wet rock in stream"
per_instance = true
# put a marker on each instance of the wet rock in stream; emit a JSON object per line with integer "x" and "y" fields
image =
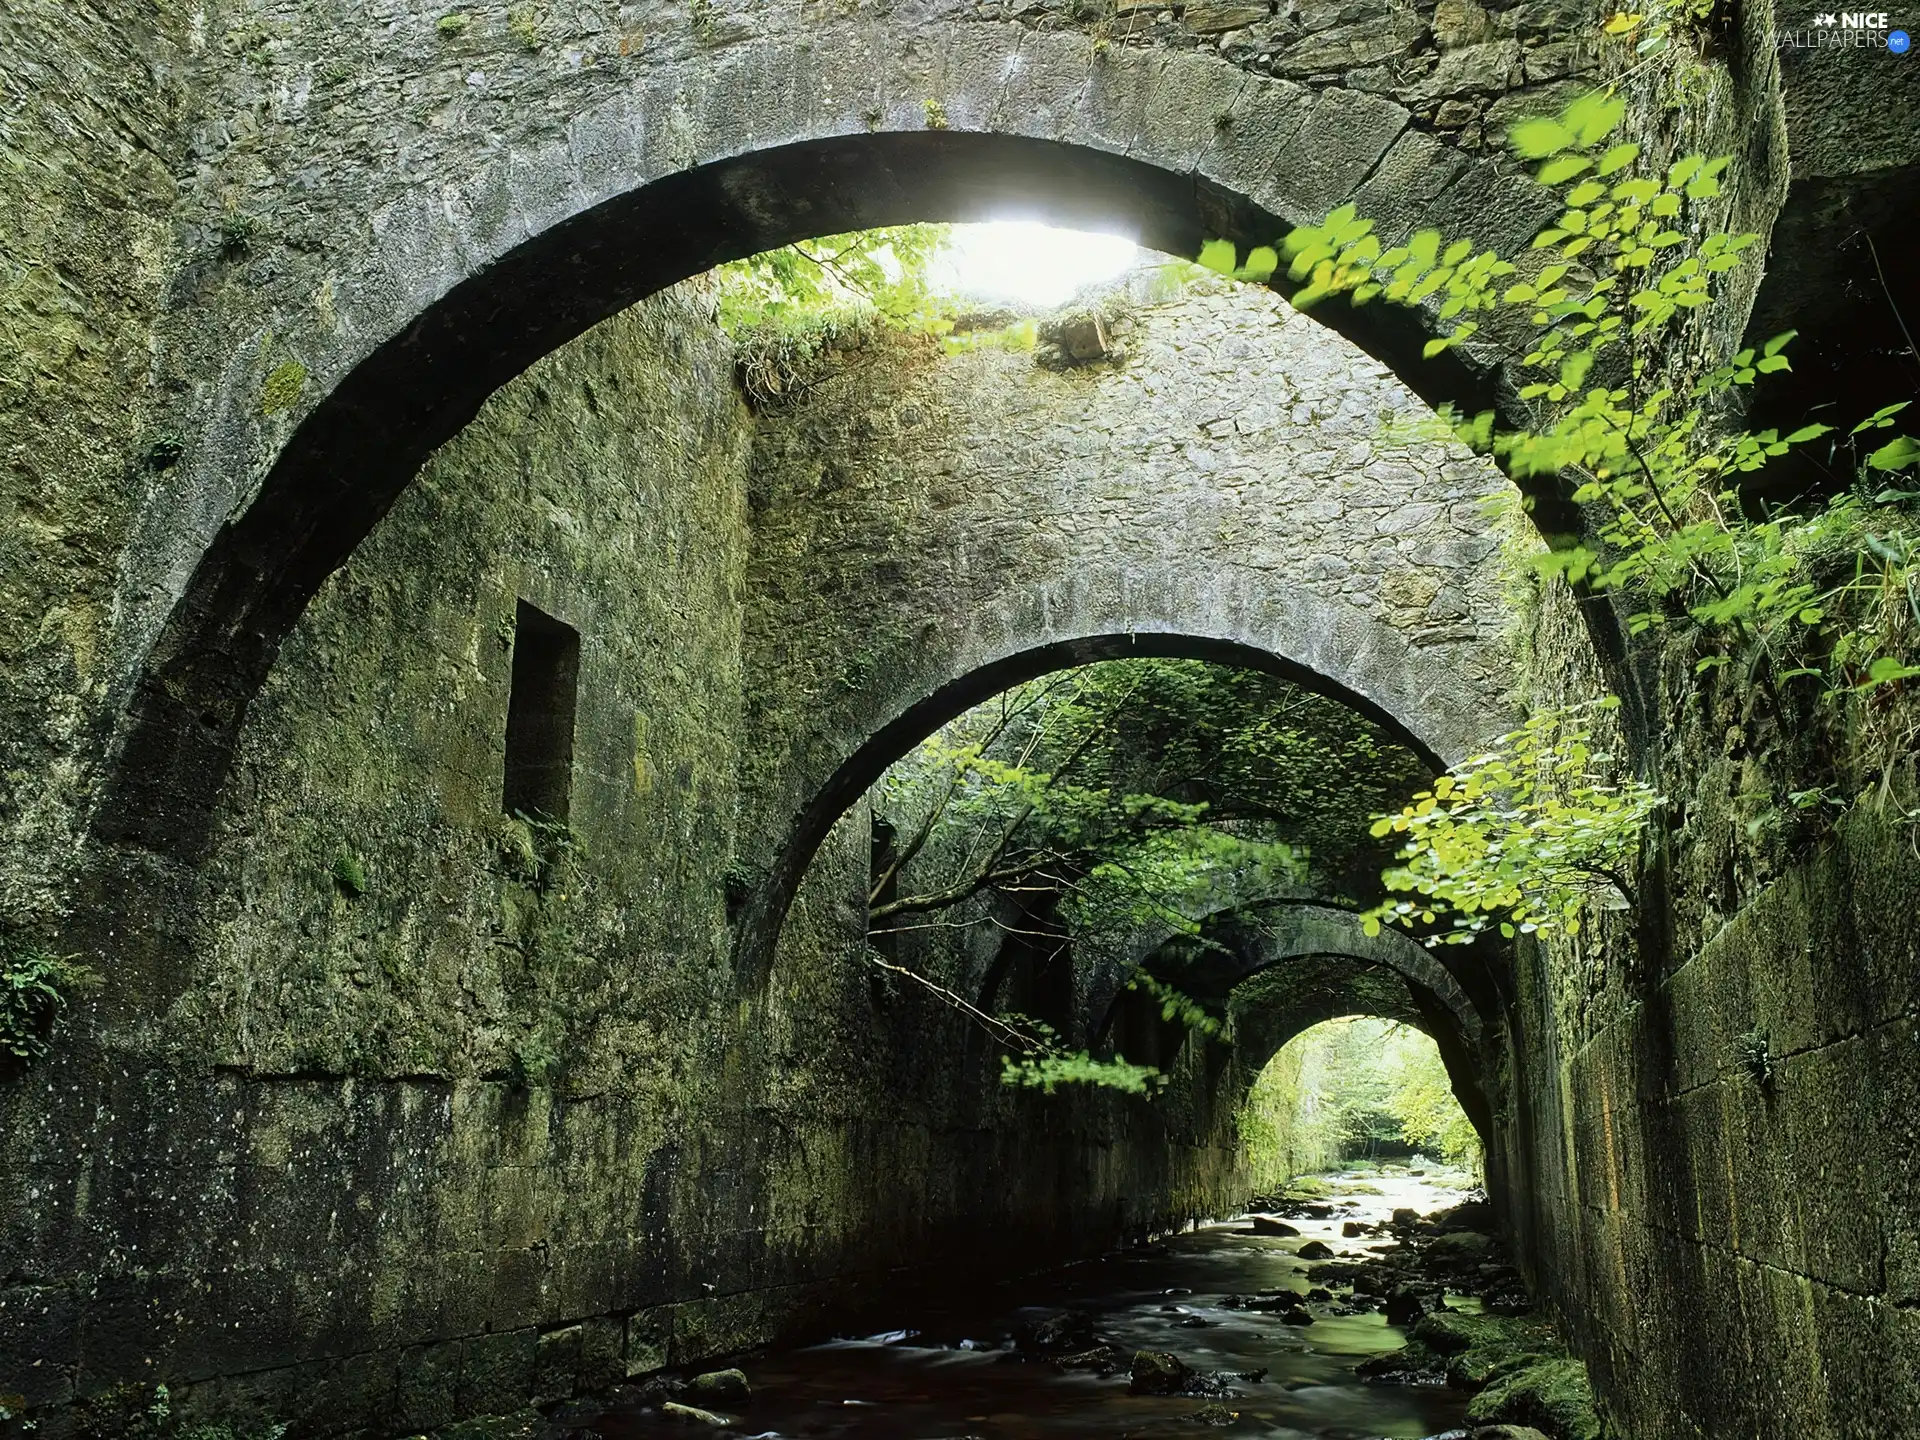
{"x": 717, "y": 1387}
{"x": 692, "y": 1414}
{"x": 1214, "y": 1415}
{"x": 1406, "y": 1305}
{"x": 1160, "y": 1372}
{"x": 1157, "y": 1372}
{"x": 1057, "y": 1333}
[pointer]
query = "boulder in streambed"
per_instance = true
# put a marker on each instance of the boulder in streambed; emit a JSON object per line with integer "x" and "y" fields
{"x": 1157, "y": 1372}
{"x": 1413, "y": 1365}
{"x": 692, "y": 1415}
{"x": 1267, "y": 1225}
{"x": 1277, "y": 1300}
{"x": 1405, "y": 1306}
{"x": 1469, "y": 1215}
{"x": 1553, "y": 1395}
{"x": 1459, "y": 1250}
{"x": 1464, "y": 1351}
{"x": 718, "y": 1387}
{"x": 1315, "y": 1250}
{"x": 1103, "y": 1360}
{"x": 1056, "y": 1333}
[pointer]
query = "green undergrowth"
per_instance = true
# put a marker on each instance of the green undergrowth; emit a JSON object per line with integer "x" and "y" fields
{"x": 140, "y": 1412}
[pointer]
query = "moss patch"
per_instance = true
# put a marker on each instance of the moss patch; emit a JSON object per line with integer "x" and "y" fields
{"x": 283, "y": 387}
{"x": 1550, "y": 1394}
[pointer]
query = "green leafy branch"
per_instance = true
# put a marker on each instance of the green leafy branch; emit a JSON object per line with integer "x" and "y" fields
{"x": 792, "y": 311}
{"x": 1604, "y": 297}
{"x": 1176, "y": 1005}
{"x": 1524, "y": 836}
{"x": 1047, "y": 1070}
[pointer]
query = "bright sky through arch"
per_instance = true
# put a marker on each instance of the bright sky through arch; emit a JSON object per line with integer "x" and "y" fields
{"x": 1023, "y": 262}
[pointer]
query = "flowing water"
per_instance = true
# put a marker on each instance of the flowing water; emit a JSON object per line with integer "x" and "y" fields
{"x": 955, "y": 1373}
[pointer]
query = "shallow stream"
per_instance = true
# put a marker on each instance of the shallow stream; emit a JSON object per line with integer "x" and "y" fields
{"x": 955, "y": 1372}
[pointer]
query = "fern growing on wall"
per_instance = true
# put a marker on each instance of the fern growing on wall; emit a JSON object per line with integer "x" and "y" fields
{"x": 35, "y": 986}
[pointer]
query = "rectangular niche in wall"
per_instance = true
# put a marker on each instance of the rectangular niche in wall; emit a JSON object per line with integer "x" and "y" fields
{"x": 546, "y": 682}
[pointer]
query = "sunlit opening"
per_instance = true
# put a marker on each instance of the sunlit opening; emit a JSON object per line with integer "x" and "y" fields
{"x": 1022, "y": 262}
{"x": 1356, "y": 1092}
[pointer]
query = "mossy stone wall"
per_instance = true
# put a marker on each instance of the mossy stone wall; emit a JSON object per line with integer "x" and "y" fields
{"x": 1711, "y": 1102}
{"x": 451, "y": 1111}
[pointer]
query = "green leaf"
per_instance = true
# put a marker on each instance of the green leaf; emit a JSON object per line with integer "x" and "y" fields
{"x": 1563, "y": 168}
{"x": 1218, "y": 256}
{"x": 1538, "y": 138}
{"x": 1618, "y": 158}
{"x": 1594, "y": 116}
{"x": 1881, "y": 418}
{"x": 1885, "y": 670}
{"x": 1262, "y": 261}
{"x": 1573, "y": 370}
{"x": 1896, "y": 454}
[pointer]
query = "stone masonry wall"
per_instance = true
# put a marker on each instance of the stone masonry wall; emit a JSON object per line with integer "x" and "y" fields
{"x": 1713, "y": 1106}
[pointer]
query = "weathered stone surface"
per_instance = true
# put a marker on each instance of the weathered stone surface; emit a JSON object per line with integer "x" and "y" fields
{"x": 1211, "y": 19}
{"x": 1459, "y": 23}
{"x": 1155, "y": 1372}
{"x": 719, "y": 1387}
{"x": 692, "y": 1415}
{"x": 342, "y": 183}
{"x": 223, "y": 226}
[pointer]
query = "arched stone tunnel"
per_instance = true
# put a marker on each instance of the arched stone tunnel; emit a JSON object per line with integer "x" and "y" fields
{"x": 356, "y": 399}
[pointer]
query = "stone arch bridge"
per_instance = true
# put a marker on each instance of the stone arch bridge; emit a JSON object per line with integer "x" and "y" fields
{"x": 342, "y": 439}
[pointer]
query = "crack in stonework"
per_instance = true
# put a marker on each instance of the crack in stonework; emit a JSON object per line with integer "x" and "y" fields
{"x": 1010, "y": 71}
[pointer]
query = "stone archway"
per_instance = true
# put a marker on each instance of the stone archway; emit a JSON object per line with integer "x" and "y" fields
{"x": 936, "y": 531}
{"x": 325, "y": 382}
